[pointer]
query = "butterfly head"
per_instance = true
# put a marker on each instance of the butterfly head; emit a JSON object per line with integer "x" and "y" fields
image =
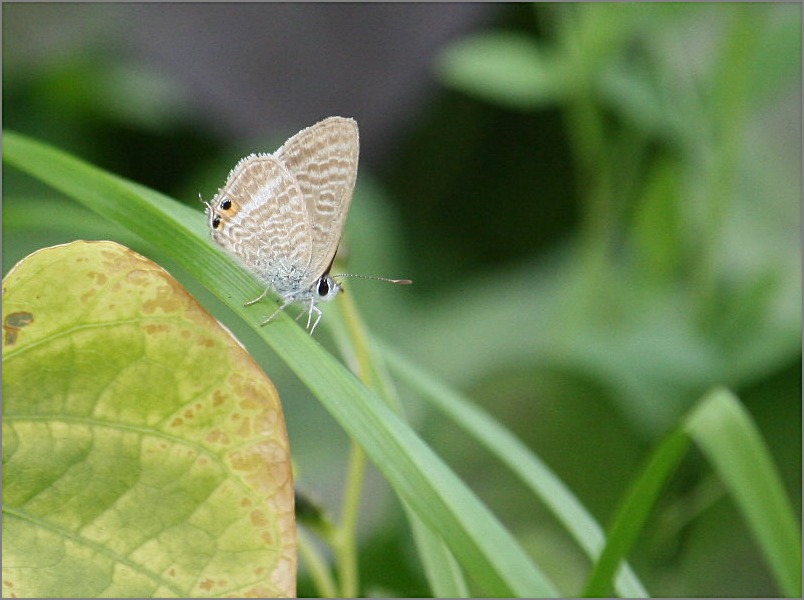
{"x": 326, "y": 288}
{"x": 217, "y": 209}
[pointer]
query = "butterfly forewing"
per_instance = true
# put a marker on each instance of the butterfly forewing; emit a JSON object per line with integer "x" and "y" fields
{"x": 322, "y": 159}
{"x": 267, "y": 224}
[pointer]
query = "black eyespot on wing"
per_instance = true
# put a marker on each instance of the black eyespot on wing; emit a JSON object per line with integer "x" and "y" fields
{"x": 226, "y": 204}
{"x": 323, "y": 287}
{"x": 216, "y": 222}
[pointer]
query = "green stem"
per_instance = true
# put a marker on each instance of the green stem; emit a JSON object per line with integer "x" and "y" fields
{"x": 346, "y": 534}
{"x": 350, "y": 334}
{"x": 587, "y": 136}
{"x": 318, "y": 568}
{"x": 728, "y": 108}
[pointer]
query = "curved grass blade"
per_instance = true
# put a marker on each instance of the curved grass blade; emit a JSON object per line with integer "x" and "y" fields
{"x": 522, "y": 462}
{"x": 728, "y": 437}
{"x": 725, "y": 433}
{"x": 486, "y": 550}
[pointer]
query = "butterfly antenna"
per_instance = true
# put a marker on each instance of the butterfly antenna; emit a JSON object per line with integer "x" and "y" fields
{"x": 386, "y": 279}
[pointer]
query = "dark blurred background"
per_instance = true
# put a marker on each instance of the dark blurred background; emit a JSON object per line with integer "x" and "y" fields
{"x": 599, "y": 205}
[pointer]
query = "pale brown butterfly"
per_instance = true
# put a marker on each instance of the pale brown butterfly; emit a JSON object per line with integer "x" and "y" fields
{"x": 282, "y": 214}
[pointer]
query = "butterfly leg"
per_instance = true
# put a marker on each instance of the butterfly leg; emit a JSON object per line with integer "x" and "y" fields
{"x": 317, "y": 311}
{"x": 258, "y": 298}
{"x": 285, "y": 302}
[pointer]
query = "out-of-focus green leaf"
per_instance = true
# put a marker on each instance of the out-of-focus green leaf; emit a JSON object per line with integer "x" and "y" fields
{"x": 506, "y": 68}
{"x": 777, "y": 62}
{"x": 117, "y": 91}
{"x": 657, "y": 224}
{"x": 728, "y": 437}
{"x": 628, "y": 90}
{"x": 442, "y": 570}
{"x": 731, "y": 442}
{"x": 144, "y": 451}
{"x": 634, "y": 512}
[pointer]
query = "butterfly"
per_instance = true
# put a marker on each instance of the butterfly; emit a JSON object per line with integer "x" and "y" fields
{"x": 282, "y": 214}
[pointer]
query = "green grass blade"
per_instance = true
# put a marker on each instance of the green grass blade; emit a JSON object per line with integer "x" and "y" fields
{"x": 731, "y": 442}
{"x": 634, "y": 512}
{"x": 520, "y": 459}
{"x": 485, "y": 549}
{"x": 442, "y": 570}
{"x": 728, "y": 437}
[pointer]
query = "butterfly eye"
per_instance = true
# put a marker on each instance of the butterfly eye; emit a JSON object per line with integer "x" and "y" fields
{"x": 323, "y": 287}
{"x": 226, "y": 204}
{"x": 216, "y": 222}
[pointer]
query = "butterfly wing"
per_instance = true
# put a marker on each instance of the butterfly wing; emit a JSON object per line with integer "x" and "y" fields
{"x": 323, "y": 161}
{"x": 260, "y": 216}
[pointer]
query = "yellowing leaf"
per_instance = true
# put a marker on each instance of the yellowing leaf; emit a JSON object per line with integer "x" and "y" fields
{"x": 144, "y": 451}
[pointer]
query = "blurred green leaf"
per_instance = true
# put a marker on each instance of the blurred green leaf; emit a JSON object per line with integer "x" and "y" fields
{"x": 777, "y": 62}
{"x": 443, "y": 572}
{"x": 634, "y": 511}
{"x": 628, "y": 90}
{"x": 115, "y": 91}
{"x": 506, "y": 68}
{"x": 728, "y": 437}
{"x": 657, "y": 223}
{"x": 124, "y": 472}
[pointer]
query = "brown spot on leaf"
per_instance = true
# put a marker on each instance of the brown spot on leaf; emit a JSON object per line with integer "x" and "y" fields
{"x": 177, "y": 422}
{"x": 138, "y": 277}
{"x": 245, "y": 428}
{"x": 165, "y": 300}
{"x": 248, "y": 404}
{"x": 258, "y": 518}
{"x": 153, "y": 328}
{"x": 258, "y": 591}
{"x": 100, "y": 278}
{"x": 216, "y": 436}
{"x": 207, "y": 585}
{"x": 87, "y": 296}
{"x": 206, "y": 342}
{"x": 13, "y": 324}
{"x": 268, "y": 538}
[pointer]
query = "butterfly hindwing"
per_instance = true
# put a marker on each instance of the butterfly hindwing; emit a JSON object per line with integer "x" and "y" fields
{"x": 262, "y": 218}
{"x": 322, "y": 160}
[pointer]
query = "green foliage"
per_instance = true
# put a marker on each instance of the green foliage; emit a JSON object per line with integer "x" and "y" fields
{"x": 510, "y": 69}
{"x": 601, "y": 214}
{"x": 725, "y": 433}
